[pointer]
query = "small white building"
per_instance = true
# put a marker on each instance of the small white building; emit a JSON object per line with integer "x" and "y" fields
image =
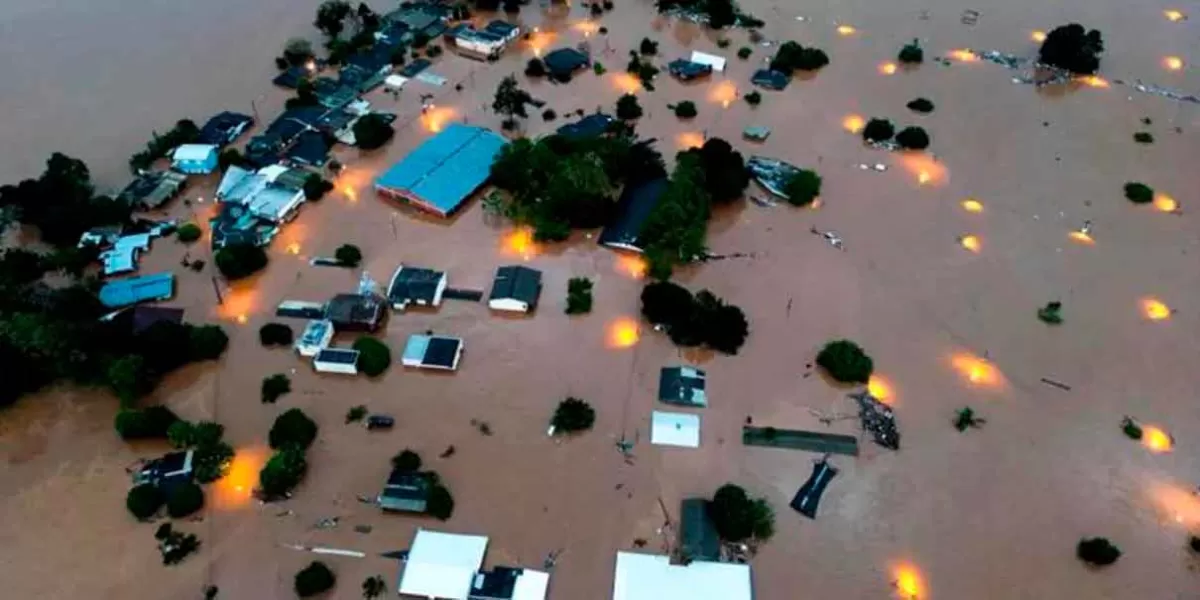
{"x": 432, "y": 352}
{"x": 442, "y": 565}
{"x": 196, "y": 159}
{"x": 716, "y": 62}
{"x": 653, "y": 577}
{"x": 674, "y": 429}
{"x": 316, "y": 337}
{"x": 336, "y": 360}
{"x": 123, "y": 256}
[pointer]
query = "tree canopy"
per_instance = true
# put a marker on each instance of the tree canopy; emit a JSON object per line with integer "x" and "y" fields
{"x": 803, "y": 188}
{"x": 723, "y": 169}
{"x": 791, "y": 56}
{"x": 275, "y": 334}
{"x": 675, "y": 231}
{"x": 407, "y": 461}
{"x": 846, "y": 362}
{"x": 184, "y": 500}
{"x": 1097, "y": 551}
{"x": 238, "y": 261}
{"x": 1072, "y": 48}
{"x": 510, "y": 101}
{"x": 293, "y": 428}
{"x": 628, "y": 108}
{"x": 144, "y": 501}
{"x": 579, "y": 296}
{"x": 374, "y": 357}
{"x": 314, "y": 579}
{"x": 573, "y": 415}
{"x": 331, "y": 17}
{"x": 692, "y": 320}
{"x": 283, "y": 471}
{"x": 275, "y": 386}
{"x": 372, "y": 131}
{"x": 878, "y": 130}
{"x": 912, "y": 138}
{"x": 911, "y": 53}
{"x": 61, "y": 203}
{"x": 1139, "y": 193}
{"x": 348, "y": 255}
{"x": 738, "y": 517}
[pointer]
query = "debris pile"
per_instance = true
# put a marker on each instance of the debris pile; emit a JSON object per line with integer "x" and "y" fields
{"x": 877, "y": 418}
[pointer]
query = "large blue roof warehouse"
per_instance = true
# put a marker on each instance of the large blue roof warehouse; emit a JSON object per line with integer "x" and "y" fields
{"x": 445, "y": 170}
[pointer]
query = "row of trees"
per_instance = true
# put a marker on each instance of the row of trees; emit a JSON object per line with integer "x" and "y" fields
{"x": 879, "y": 130}
{"x": 61, "y": 203}
{"x": 184, "y": 132}
{"x": 702, "y": 319}
{"x": 290, "y": 436}
{"x": 792, "y": 57}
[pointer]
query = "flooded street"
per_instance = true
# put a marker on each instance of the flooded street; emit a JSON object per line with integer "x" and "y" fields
{"x": 989, "y": 513}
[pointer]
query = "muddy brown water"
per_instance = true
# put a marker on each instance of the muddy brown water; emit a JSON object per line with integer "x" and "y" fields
{"x": 991, "y": 513}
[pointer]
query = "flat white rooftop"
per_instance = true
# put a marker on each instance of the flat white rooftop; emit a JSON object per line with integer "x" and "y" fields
{"x": 442, "y": 565}
{"x": 675, "y": 429}
{"x": 653, "y": 577}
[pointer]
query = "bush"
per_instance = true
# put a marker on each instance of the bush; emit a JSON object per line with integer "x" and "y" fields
{"x": 314, "y": 579}
{"x": 648, "y": 47}
{"x": 1143, "y": 137}
{"x": 724, "y": 169}
{"x": 275, "y": 334}
{"x": 1139, "y": 193}
{"x": 293, "y": 428}
{"x": 407, "y": 461}
{"x": 725, "y": 325}
{"x": 911, "y": 54}
{"x": 348, "y": 255}
{"x": 596, "y": 9}
{"x": 440, "y": 503}
{"x": 399, "y": 56}
{"x": 1097, "y": 551}
{"x": 549, "y": 115}
{"x": 143, "y": 501}
{"x": 744, "y": 52}
{"x": 231, "y": 157}
{"x": 356, "y": 413}
{"x": 723, "y": 43}
{"x": 573, "y": 415}
{"x": 186, "y": 498}
{"x": 598, "y": 69}
{"x": 878, "y": 130}
{"x": 207, "y": 342}
{"x": 1051, "y": 313}
{"x": 803, "y": 188}
{"x": 737, "y": 517}
{"x": 151, "y": 422}
{"x": 374, "y": 357}
{"x": 174, "y": 545}
{"x": 535, "y": 68}
{"x": 284, "y": 471}
{"x": 1131, "y": 429}
{"x": 275, "y": 386}
{"x": 188, "y": 233}
{"x": 685, "y": 109}
{"x": 664, "y": 302}
{"x": 693, "y": 320}
{"x": 921, "y": 105}
{"x": 628, "y": 108}
{"x": 845, "y": 362}
{"x": 373, "y": 587}
{"x": 211, "y": 461}
{"x": 238, "y": 261}
{"x": 372, "y": 131}
{"x": 794, "y": 57}
{"x": 181, "y": 434}
{"x": 315, "y": 187}
{"x": 912, "y": 138}
{"x": 1072, "y": 48}
{"x": 753, "y": 98}
{"x": 579, "y": 295}
{"x": 965, "y": 419}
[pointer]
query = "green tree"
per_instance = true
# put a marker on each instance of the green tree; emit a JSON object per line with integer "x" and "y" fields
{"x": 753, "y": 98}
{"x": 314, "y": 579}
{"x": 628, "y": 108}
{"x": 664, "y": 302}
{"x": 181, "y": 434}
{"x": 188, "y": 233}
{"x": 275, "y": 386}
{"x": 238, "y": 261}
{"x": 275, "y": 334}
{"x": 1051, "y": 314}
{"x": 579, "y": 296}
{"x": 791, "y": 56}
{"x": 1139, "y": 193}
{"x": 803, "y": 188}
{"x": 185, "y": 499}
{"x": 293, "y": 428}
{"x": 920, "y": 105}
{"x": 348, "y": 255}
{"x": 283, "y": 472}
{"x": 744, "y": 52}
{"x": 211, "y": 459}
{"x": 207, "y": 342}
{"x": 150, "y": 422}
{"x": 510, "y": 101}
{"x": 331, "y": 17}
{"x": 1097, "y": 551}
{"x": 143, "y": 501}
{"x": 373, "y": 587}
{"x": 356, "y": 413}
{"x": 374, "y": 357}
{"x": 1072, "y": 48}
{"x": 535, "y": 68}
{"x": 912, "y": 138}
{"x": 845, "y": 362}
{"x": 315, "y": 187}
{"x": 372, "y": 131}
{"x": 297, "y": 51}
{"x": 685, "y": 109}
{"x": 407, "y": 461}
{"x": 911, "y": 53}
{"x": 966, "y": 418}
{"x": 725, "y": 325}
{"x": 724, "y": 170}
{"x": 648, "y": 47}
{"x": 721, "y": 13}
{"x": 573, "y": 415}
{"x": 1143, "y": 137}
{"x": 878, "y": 130}
{"x": 738, "y": 517}
{"x": 128, "y": 379}
{"x": 440, "y": 504}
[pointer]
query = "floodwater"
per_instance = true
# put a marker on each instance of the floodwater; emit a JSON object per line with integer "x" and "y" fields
{"x": 991, "y": 513}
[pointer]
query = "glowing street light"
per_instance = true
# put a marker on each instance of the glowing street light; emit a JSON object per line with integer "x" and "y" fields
{"x": 881, "y": 389}
{"x": 1165, "y": 203}
{"x": 844, "y": 30}
{"x": 1095, "y": 81}
{"x": 970, "y": 242}
{"x": 964, "y": 55}
{"x": 1156, "y": 440}
{"x": 1174, "y": 16}
{"x": 908, "y": 582}
{"x": 972, "y": 205}
{"x": 975, "y": 370}
{"x": 1173, "y": 63}
{"x": 887, "y": 68}
{"x": 623, "y": 333}
{"x": 1155, "y": 310}
{"x": 1037, "y": 35}
{"x": 853, "y": 123}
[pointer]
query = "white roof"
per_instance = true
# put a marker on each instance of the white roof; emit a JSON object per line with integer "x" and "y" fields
{"x": 653, "y": 577}
{"x": 675, "y": 429}
{"x": 714, "y": 61}
{"x": 395, "y": 81}
{"x": 193, "y": 152}
{"x": 442, "y": 565}
{"x": 531, "y": 585}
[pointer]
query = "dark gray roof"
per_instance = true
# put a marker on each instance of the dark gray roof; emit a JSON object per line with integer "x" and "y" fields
{"x": 341, "y": 356}
{"x": 685, "y": 69}
{"x": 441, "y": 351}
{"x": 698, "y": 535}
{"x": 500, "y": 28}
{"x": 413, "y": 68}
{"x": 518, "y": 283}
{"x": 235, "y": 224}
{"x": 309, "y": 149}
{"x": 413, "y": 284}
{"x": 593, "y": 125}
{"x": 565, "y": 61}
{"x": 355, "y": 311}
{"x": 633, "y": 209}
{"x": 497, "y": 584}
{"x": 682, "y": 385}
{"x": 405, "y": 492}
{"x": 224, "y": 127}
{"x": 145, "y": 316}
{"x": 772, "y": 80}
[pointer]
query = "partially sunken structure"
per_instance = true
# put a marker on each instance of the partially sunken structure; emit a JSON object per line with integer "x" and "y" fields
{"x": 442, "y": 173}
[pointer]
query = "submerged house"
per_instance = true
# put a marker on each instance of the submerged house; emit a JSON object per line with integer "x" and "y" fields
{"x": 443, "y": 172}
{"x": 681, "y": 430}
{"x": 271, "y": 146}
{"x": 770, "y": 79}
{"x": 132, "y": 290}
{"x": 414, "y": 285}
{"x": 170, "y": 470}
{"x": 123, "y": 255}
{"x": 272, "y": 193}
{"x": 405, "y": 492}
{"x": 316, "y": 337}
{"x": 686, "y": 70}
{"x": 561, "y": 64}
{"x": 486, "y": 43}
{"x": 442, "y": 565}
{"x": 593, "y": 125}
{"x": 152, "y": 189}
{"x": 432, "y": 352}
{"x": 510, "y": 583}
{"x": 683, "y": 386}
{"x": 225, "y": 127}
{"x": 414, "y": 18}
{"x": 633, "y": 209}
{"x": 355, "y": 312}
{"x": 336, "y": 360}
{"x": 195, "y": 159}
{"x": 515, "y": 289}
{"x": 698, "y": 538}
{"x": 235, "y": 224}
{"x": 653, "y": 577}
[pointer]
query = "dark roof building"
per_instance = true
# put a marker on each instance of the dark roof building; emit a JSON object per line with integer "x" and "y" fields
{"x": 563, "y": 63}
{"x": 405, "y": 492}
{"x": 153, "y": 189}
{"x": 593, "y": 125}
{"x": 332, "y": 94}
{"x": 682, "y": 385}
{"x": 420, "y": 17}
{"x": 291, "y": 77}
{"x": 167, "y": 471}
{"x": 443, "y": 172}
{"x": 237, "y": 224}
{"x": 415, "y": 67}
{"x": 310, "y": 148}
{"x": 686, "y": 70}
{"x": 697, "y": 533}
{"x": 772, "y": 80}
{"x": 413, "y": 285}
{"x": 633, "y": 209}
{"x": 224, "y": 128}
{"x": 516, "y": 288}
{"x": 355, "y": 312}
{"x": 142, "y": 318}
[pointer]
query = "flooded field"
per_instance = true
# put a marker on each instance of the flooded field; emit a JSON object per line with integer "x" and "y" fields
{"x": 990, "y": 513}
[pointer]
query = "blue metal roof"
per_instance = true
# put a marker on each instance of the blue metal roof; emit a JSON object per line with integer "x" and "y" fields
{"x": 447, "y": 168}
{"x": 124, "y": 292}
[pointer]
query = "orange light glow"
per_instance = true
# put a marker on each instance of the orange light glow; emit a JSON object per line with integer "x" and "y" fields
{"x": 975, "y": 370}
{"x": 520, "y": 243}
{"x": 970, "y": 242}
{"x": 632, "y": 265}
{"x": 909, "y": 583}
{"x": 293, "y": 248}
{"x": 1156, "y": 440}
{"x": 846, "y": 30}
{"x": 1173, "y": 63}
{"x": 587, "y": 28}
{"x": 623, "y": 333}
{"x": 539, "y": 41}
{"x": 626, "y": 82}
{"x": 972, "y": 205}
{"x": 881, "y": 389}
{"x": 1173, "y": 15}
{"x": 924, "y": 168}
{"x": 723, "y": 93}
{"x": 964, "y": 55}
{"x": 351, "y": 195}
{"x": 689, "y": 139}
{"x": 435, "y": 118}
{"x": 853, "y": 123}
{"x": 238, "y": 303}
{"x": 887, "y": 68}
{"x": 1037, "y": 35}
{"x": 235, "y": 488}
{"x": 1155, "y": 310}
{"x": 1082, "y": 237}
{"x": 1176, "y": 502}
{"x": 1096, "y": 82}
{"x": 1165, "y": 203}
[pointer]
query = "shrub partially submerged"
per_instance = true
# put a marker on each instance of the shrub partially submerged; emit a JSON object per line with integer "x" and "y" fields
{"x": 911, "y": 54}
{"x": 912, "y": 138}
{"x": 878, "y": 130}
{"x": 791, "y": 57}
{"x": 846, "y": 362}
{"x": 920, "y": 105}
{"x": 1097, "y": 551}
{"x": 1139, "y": 193}
{"x": 573, "y": 415}
{"x": 1072, "y": 48}
{"x": 803, "y": 188}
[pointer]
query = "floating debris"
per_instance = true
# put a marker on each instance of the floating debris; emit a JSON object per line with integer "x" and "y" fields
{"x": 877, "y": 418}
{"x": 830, "y": 236}
{"x": 763, "y": 202}
{"x": 969, "y": 17}
{"x": 880, "y": 167}
{"x": 757, "y": 133}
